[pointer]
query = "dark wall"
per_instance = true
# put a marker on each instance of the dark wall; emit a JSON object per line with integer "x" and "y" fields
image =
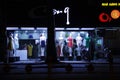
{"x": 26, "y": 12}
{"x": 112, "y": 40}
{"x": 82, "y": 12}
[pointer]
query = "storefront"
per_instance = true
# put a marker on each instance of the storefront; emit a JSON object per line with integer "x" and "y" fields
{"x": 71, "y": 44}
{"x": 72, "y": 33}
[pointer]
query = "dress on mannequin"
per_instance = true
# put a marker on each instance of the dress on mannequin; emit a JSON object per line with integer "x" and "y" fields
{"x": 70, "y": 41}
{"x": 61, "y": 43}
{"x": 87, "y": 42}
{"x": 79, "y": 40}
{"x": 79, "y": 43}
{"x": 70, "y": 44}
{"x": 11, "y": 46}
{"x": 42, "y": 44}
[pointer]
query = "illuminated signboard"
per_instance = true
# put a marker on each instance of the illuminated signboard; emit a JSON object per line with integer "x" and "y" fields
{"x": 114, "y": 14}
{"x": 110, "y": 4}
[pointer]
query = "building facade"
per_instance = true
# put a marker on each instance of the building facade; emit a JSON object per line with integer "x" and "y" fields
{"x": 59, "y": 30}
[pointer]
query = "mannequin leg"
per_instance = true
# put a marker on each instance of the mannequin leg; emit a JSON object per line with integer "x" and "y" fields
{"x": 70, "y": 51}
{"x": 42, "y": 51}
{"x": 14, "y": 52}
{"x": 39, "y": 50}
{"x": 61, "y": 54}
{"x": 78, "y": 51}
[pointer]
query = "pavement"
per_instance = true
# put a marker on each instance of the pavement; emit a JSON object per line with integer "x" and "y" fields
{"x": 77, "y": 70}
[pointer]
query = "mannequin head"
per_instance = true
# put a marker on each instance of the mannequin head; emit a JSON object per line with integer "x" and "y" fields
{"x": 61, "y": 35}
{"x": 16, "y": 34}
{"x": 70, "y": 35}
{"x": 11, "y": 35}
{"x": 42, "y": 37}
{"x": 43, "y": 34}
{"x": 78, "y": 34}
{"x": 87, "y": 35}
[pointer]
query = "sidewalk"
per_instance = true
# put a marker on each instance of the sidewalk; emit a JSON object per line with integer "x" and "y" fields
{"x": 116, "y": 60}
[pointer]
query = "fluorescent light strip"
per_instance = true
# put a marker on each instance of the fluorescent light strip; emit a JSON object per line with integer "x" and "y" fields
{"x": 12, "y": 28}
{"x": 87, "y": 28}
{"x": 72, "y": 28}
{"x": 27, "y": 28}
{"x": 59, "y": 28}
{"x": 41, "y": 28}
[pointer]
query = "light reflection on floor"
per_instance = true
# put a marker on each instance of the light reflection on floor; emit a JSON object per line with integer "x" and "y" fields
{"x": 81, "y": 61}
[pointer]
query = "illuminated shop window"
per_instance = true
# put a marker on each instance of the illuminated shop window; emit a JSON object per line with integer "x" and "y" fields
{"x": 71, "y": 43}
{"x": 27, "y": 43}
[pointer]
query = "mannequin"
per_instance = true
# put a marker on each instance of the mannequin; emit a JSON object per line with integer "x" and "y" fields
{"x": 11, "y": 45}
{"x": 42, "y": 44}
{"x": 86, "y": 42}
{"x": 61, "y": 43}
{"x": 70, "y": 44}
{"x": 16, "y": 41}
{"x": 79, "y": 43}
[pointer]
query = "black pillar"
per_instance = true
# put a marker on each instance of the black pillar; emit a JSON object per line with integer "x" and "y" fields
{"x": 3, "y": 38}
{"x": 51, "y": 49}
{"x": 92, "y": 45}
{"x": 3, "y": 41}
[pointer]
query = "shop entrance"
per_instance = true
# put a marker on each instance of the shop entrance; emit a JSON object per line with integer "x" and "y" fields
{"x": 26, "y": 44}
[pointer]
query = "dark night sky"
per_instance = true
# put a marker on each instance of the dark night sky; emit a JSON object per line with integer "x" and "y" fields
{"x": 82, "y": 12}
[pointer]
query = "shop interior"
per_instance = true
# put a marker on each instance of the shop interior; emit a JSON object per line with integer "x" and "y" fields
{"x": 72, "y": 44}
{"x": 25, "y": 44}
{"x": 77, "y": 43}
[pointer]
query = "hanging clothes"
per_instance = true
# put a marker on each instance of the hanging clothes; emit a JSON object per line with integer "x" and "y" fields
{"x": 30, "y": 49}
{"x": 35, "y": 50}
{"x": 79, "y": 41}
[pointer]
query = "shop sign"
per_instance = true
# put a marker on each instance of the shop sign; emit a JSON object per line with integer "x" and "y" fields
{"x": 114, "y": 14}
{"x": 66, "y": 11}
{"x": 110, "y": 4}
{"x": 104, "y": 17}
